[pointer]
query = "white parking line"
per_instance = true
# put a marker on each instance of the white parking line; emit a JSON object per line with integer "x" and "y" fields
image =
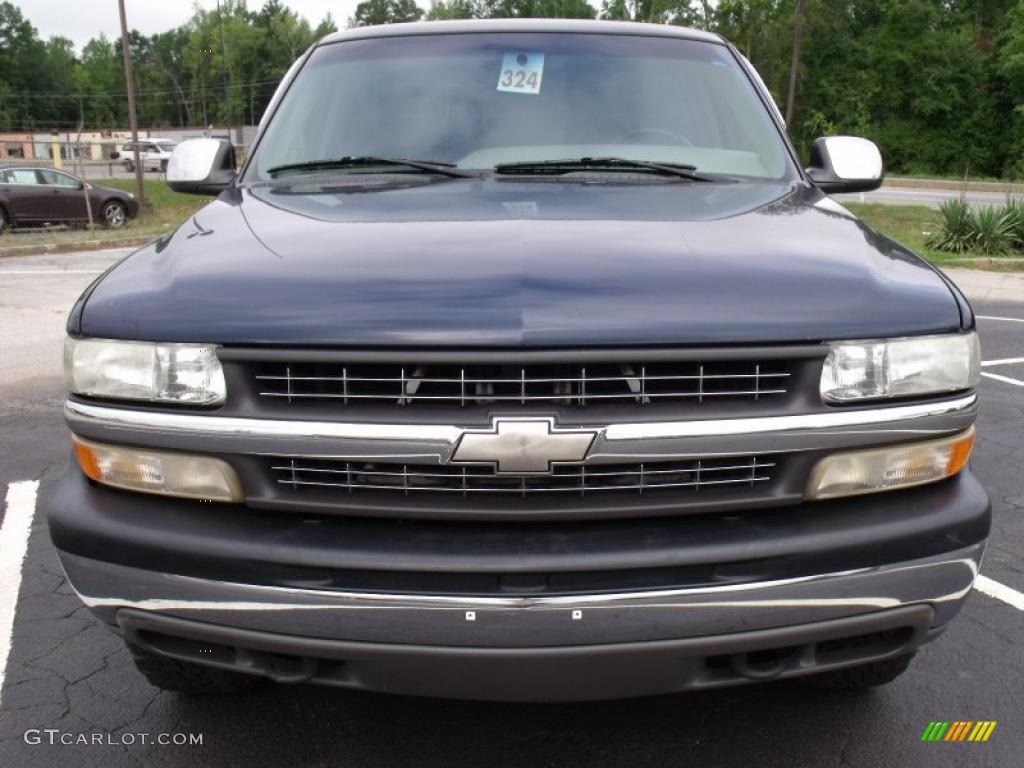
{"x": 51, "y": 271}
{"x": 21, "y": 507}
{"x": 1003, "y": 361}
{"x": 985, "y": 585}
{"x": 1004, "y": 379}
{"x": 1007, "y": 319}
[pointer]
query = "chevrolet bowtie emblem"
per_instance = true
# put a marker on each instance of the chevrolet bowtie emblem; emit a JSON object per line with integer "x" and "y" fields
{"x": 523, "y": 445}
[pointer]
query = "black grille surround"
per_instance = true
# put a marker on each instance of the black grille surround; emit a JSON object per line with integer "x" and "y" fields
{"x": 737, "y": 473}
{"x": 472, "y": 388}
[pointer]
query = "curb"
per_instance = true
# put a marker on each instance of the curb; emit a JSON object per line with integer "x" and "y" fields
{"x": 81, "y": 245}
{"x": 1008, "y": 187}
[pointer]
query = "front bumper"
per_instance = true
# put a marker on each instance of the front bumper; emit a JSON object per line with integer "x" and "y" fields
{"x": 793, "y": 591}
{"x": 528, "y": 649}
{"x": 559, "y": 673}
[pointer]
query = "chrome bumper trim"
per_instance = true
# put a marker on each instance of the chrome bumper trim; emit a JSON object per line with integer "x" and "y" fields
{"x": 188, "y": 423}
{"x": 942, "y": 581}
{"x": 429, "y": 440}
{"x": 782, "y": 424}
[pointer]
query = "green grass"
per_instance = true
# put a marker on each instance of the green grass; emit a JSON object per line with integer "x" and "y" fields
{"x": 908, "y": 224}
{"x": 164, "y": 209}
{"x": 911, "y": 225}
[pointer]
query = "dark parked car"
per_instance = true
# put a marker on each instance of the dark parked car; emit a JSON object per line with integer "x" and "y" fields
{"x": 34, "y": 196}
{"x": 522, "y": 360}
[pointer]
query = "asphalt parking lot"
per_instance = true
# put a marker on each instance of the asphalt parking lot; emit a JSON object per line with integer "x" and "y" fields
{"x": 66, "y": 672}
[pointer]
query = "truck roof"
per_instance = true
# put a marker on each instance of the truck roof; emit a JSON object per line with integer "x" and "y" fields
{"x": 577, "y": 26}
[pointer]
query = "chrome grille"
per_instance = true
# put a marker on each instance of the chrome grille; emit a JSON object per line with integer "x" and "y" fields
{"x": 301, "y": 474}
{"x": 484, "y": 384}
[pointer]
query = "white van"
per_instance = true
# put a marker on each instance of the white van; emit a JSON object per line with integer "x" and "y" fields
{"x": 153, "y": 154}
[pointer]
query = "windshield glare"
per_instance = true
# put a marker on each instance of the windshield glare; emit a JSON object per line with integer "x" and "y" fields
{"x": 479, "y": 100}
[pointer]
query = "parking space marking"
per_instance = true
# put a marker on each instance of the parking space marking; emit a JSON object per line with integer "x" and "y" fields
{"x": 14, "y": 531}
{"x": 1006, "y": 319}
{"x": 1003, "y": 361}
{"x": 1004, "y": 379}
{"x": 987, "y": 586}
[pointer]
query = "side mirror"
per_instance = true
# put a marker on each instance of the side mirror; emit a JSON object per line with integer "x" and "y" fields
{"x": 201, "y": 167}
{"x": 845, "y": 164}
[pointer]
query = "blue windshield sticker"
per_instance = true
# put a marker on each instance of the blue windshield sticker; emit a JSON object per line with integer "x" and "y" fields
{"x": 521, "y": 72}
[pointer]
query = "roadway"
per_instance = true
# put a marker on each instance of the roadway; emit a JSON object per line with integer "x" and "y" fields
{"x": 931, "y": 197}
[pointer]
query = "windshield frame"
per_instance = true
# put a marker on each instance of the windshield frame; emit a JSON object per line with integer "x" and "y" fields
{"x": 793, "y": 170}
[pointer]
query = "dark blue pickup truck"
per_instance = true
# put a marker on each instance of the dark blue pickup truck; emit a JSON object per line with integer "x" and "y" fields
{"x": 522, "y": 360}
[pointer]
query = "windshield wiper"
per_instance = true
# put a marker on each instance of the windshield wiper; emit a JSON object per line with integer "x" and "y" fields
{"x": 429, "y": 166}
{"x": 555, "y": 167}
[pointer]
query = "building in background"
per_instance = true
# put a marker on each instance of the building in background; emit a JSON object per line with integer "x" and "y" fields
{"x": 16, "y": 146}
{"x": 106, "y": 145}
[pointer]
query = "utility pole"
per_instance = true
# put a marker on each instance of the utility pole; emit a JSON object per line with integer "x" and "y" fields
{"x": 224, "y": 73}
{"x": 224, "y": 52}
{"x": 129, "y": 81}
{"x": 794, "y": 62}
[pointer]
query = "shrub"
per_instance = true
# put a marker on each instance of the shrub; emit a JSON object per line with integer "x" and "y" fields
{"x": 1015, "y": 215}
{"x": 956, "y": 227}
{"x": 993, "y": 229}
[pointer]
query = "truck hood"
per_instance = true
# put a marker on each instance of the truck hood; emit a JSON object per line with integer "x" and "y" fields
{"x": 511, "y": 263}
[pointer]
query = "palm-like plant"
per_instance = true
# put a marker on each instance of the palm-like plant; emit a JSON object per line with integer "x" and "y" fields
{"x": 956, "y": 228}
{"x": 993, "y": 230}
{"x": 1015, "y": 214}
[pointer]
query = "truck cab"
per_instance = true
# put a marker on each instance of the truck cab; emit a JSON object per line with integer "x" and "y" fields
{"x": 522, "y": 360}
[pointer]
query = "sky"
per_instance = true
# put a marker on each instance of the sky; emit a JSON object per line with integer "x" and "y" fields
{"x": 82, "y": 20}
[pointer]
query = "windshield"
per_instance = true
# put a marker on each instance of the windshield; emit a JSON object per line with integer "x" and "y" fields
{"x": 481, "y": 100}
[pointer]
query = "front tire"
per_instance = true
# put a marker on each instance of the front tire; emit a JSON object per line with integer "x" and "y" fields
{"x": 114, "y": 214}
{"x": 181, "y": 677}
{"x": 129, "y": 166}
{"x": 861, "y": 677}
{"x": 4, "y": 223}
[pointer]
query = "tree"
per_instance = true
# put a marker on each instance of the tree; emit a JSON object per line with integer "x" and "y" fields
{"x": 20, "y": 54}
{"x": 386, "y": 12}
{"x": 682, "y": 12}
{"x": 326, "y": 26}
{"x": 938, "y": 84}
{"x": 794, "y": 61}
{"x": 451, "y": 9}
{"x": 100, "y": 77}
{"x": 440, "y": 10}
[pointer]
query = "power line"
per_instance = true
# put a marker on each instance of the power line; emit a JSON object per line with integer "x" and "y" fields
{"x": 43, "y": 125}
{"x": 76, "y": 96}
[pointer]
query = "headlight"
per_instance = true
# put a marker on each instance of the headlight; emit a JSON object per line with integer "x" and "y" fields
{"x": 868, "y": 370}
{"x": 886, "y": 469}
{"x": 162, "y": 472}
{"x": 133, "y": 370}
